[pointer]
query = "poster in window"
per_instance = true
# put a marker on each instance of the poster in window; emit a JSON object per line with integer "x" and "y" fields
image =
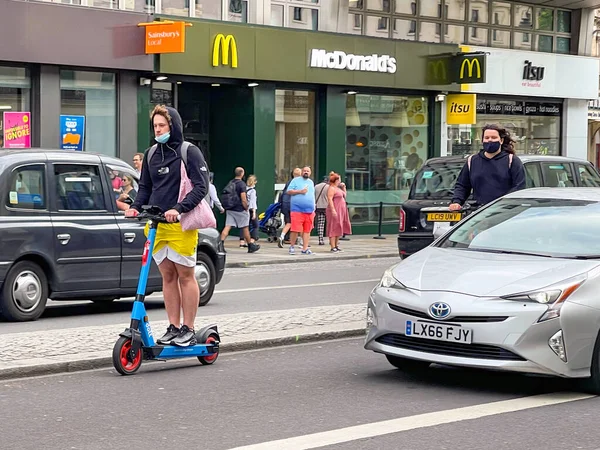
{"x": 16, "y": 129}
{"x": 72, "y": 132}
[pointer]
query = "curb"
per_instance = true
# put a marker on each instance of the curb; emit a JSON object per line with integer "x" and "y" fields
{"x": 307, "y": 260}
{"x": 105, "y": 362}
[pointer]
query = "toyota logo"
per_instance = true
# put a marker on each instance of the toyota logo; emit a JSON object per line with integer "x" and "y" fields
{"x": 439, "y": 310}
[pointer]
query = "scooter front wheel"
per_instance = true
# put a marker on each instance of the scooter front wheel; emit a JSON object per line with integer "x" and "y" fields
{"x": 121, "y": 359}
{"x": 207, "y": 360}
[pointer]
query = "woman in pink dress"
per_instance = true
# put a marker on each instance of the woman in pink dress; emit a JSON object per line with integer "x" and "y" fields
{"x": 338, "y": 221}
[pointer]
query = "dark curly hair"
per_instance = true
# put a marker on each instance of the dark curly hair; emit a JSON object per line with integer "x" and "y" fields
{"x": 508, "y": 143}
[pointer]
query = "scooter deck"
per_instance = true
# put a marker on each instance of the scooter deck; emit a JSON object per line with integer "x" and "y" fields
{"x": 173, "y": 351}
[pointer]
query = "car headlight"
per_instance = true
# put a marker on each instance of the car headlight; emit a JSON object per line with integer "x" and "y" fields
{"x": 389, "y": 281}
{"x": 554, "y": 296}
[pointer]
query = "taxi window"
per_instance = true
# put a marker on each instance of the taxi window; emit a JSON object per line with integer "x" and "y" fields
{"x": 588, "y": 176}
{"x": 557, "y": 174}
{"x": 27, "y": 188}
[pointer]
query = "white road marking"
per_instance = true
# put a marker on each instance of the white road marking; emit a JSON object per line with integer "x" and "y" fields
{"x": 370, "y": 430}
{"x": 295, "y": 286}
{"x": 289, "y": 286}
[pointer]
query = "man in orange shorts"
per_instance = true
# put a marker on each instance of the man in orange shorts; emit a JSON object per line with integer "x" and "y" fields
{"x": 302, "y": 191}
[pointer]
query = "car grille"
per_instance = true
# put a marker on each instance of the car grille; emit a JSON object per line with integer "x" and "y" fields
{"x": 464, "y": 319}
{"x": 480, "y": 351}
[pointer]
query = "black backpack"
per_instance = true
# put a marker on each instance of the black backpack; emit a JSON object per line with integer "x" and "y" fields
{"x": 230, "y": 199}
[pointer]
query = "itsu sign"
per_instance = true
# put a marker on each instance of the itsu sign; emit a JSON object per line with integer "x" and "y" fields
{"x": 532, "y": 75}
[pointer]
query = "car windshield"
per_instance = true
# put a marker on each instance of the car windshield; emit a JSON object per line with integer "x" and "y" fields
{"x": 436, "y": 180}
{"x": 548, "y": 227}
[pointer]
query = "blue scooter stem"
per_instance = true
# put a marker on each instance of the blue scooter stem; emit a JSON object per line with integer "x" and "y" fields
{"x": 146, "y": 264}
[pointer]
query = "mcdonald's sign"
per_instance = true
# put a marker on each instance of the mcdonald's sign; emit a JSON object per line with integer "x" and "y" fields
{"x": 439, "y": 70}
{"x": 470, "y": 68}
{"x": 222, "y": 45}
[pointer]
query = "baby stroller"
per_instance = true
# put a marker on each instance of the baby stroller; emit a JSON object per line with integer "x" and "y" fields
{"x": 270, "y": 221}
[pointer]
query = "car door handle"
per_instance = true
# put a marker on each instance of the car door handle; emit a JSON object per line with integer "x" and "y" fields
{"x": 129, "y": 237}
{"x": 64, "y": 238}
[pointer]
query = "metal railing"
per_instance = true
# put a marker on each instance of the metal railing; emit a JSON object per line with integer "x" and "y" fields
{"x": 380, "y": 218}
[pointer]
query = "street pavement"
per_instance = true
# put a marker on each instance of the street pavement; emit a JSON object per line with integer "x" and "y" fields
{"x": 357, "y": 247}
{"x": 253, "y": 307}
{"x": 330, "y": 395}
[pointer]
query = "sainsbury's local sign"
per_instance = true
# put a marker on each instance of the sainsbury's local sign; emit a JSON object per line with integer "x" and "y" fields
{"x": 339, "y": 60}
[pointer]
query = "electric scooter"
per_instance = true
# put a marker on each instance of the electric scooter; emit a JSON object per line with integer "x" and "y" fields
{"x": 136, "y": 343}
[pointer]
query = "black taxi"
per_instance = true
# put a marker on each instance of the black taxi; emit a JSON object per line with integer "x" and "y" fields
{"x": 64, "y": 236}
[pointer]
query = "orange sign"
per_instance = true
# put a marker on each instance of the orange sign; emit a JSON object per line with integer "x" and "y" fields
{"x": 166, "y": 37}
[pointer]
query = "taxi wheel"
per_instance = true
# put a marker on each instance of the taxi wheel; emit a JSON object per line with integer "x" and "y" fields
{"x": 409, "y": 365}
{"x": 24, "y": 293}
{"x": 206, "y": 275}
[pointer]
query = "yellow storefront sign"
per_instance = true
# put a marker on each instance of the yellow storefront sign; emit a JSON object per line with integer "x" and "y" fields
{"x": 222, "y": 45}
{"x": 461, "y": 109}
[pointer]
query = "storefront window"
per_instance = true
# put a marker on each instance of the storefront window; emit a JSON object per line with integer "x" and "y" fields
{"x": 15, "y": 93}
{"x": 294, "y": 132}
{"x": 386, "y": 144}
{"x": 93, "y": 95}
{"x": 535, "y": 126}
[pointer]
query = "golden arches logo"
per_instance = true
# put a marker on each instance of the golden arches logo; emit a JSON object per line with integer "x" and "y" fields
{"x": 470, "y": 63}
{"x": 221, "y": 46}
{"x": 437, "y": 69}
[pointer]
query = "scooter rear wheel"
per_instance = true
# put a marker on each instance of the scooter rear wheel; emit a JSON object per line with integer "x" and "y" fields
{"x": 207, "y": 360}
{"x": 120, "y": 357}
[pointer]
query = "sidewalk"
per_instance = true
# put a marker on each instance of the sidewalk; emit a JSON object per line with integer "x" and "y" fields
{"x": 358, "y": 247}
{"x": 84, "y": 348}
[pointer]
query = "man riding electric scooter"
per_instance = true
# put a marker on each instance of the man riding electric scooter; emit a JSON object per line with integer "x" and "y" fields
{"x": 174, "y": 249}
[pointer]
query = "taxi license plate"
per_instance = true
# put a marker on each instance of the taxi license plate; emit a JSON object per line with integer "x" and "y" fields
{"x": 439, "y": 332}
{"x": 443, "y": 217}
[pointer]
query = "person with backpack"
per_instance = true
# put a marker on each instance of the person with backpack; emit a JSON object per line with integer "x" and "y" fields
{"x": 493, "y": 172}
{"x": 174, "y": 248}
{"x": 235, "y": 201}
{"x": 252, "y": 209}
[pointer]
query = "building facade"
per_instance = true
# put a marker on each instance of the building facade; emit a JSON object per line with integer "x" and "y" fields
{"x": 341, "y": 85}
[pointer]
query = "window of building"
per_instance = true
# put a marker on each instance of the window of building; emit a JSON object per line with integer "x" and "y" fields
{"x": 27, "y": 188}
{"x": 145, "y": 6}
{"x": 93, "y": 95}
{"x": 300, "y": 14}
{"x": 498, "y": 23}
{"x": 295, "y": 124}
{"x": 386, "y": 144}
{"x": 535, "y": 127}
{"x": 15, "y": 93}
{"x": 237, "y": 11}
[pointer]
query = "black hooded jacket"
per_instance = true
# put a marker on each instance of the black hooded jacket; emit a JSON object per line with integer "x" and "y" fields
{"x": 488, "y": 178}
{"x": 163, "y": 190}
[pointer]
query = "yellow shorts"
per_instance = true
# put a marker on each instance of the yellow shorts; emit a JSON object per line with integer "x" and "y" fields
{"x": 175, "y": 244}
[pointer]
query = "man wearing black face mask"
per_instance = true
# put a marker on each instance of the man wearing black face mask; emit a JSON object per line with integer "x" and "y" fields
{"x": 493, "y": 172}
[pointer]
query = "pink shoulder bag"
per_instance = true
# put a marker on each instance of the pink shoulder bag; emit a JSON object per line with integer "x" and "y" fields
{"x": 202, "y": 215}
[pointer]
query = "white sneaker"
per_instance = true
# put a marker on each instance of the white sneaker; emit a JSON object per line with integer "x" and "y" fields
{"x": 292, "y": 250}
{"x": 280, "y": 242}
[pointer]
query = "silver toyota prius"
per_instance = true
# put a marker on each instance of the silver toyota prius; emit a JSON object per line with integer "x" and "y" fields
{"x": 515, "y": 286}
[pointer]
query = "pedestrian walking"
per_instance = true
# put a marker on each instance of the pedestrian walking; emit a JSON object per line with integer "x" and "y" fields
{"x": 338, "y": 219}
{"x": 286, "y": 205}
{"x": 235, "y": 201}
{"x": 214, "y": 198}
{"x": 321, "y": 205}
{"x": 302, "y": 190}
{"x": 174, "y": 249}
{"x": 252, "y": 209}
{"x": 495, "y": 171}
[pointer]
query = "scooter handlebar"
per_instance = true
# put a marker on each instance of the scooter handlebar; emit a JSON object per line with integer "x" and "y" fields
{"x": 152, "y": 214}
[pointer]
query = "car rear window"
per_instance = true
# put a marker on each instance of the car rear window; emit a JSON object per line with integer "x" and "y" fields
{"x": 436, "y": 180}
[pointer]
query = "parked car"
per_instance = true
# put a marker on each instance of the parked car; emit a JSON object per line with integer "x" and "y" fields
{"x": 63, "y": 237}
{"x": 434, "y": 185}
{"x": 513, "y": 287}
